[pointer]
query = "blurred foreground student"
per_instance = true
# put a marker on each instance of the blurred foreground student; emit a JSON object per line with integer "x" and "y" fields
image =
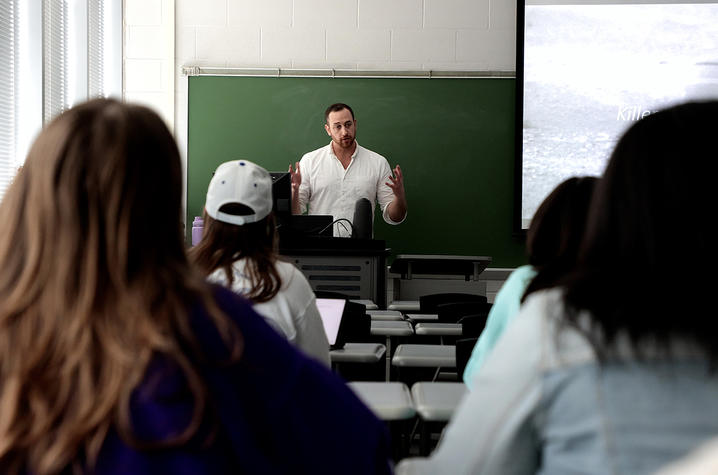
{"x": 239, "y": 250}
{"x": 613, "y": 372}
{"x": 552, "y": 246}
{"x": 117, "y": 357}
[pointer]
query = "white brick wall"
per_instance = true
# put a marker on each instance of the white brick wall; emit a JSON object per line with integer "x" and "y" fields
{"x": 488, "y": 49}
{"x": 292, "y": 44}
{"x": 324, "y": 14}
{"x": 260, "y": 13}
{"x": 149, "y": 67}
{"x": 345, "y": 45}
{"x": 502, "y": 15}
{"x": 201, "y": 12}
{"x": 457, "y": 13}
{"x": 351, "y": 34}
{"x": 219, "y": 44}
{"x": 148, "y": 12}
{"x": 424, "y": 45}
{"x": 391, "y": 14}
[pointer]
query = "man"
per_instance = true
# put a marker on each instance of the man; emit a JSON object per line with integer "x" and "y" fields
{"x": 331, "y": 179}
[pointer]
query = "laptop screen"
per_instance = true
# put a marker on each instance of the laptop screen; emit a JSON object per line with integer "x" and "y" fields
{"x": 331, "y": 311}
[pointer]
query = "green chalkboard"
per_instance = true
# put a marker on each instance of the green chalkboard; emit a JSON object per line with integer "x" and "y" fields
{"x": 454, "y": 140}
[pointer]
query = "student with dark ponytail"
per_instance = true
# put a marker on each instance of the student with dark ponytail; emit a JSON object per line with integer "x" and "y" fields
{"x": 552, "y": 243}
{"x": 615, "y": 369}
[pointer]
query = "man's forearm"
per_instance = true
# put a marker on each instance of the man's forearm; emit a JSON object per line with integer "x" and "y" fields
{"x": 296, "y": 209}
{"x": 397, "y": 209}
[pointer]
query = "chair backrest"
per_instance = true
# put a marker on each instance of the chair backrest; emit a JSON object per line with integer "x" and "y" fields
{"x": 472, "y": 325}
{"x": 464, "y": 347}
{"x": 355, "y": 325}
{"x": 452, "y": 312}
{"x": 428, "y": 303}
{"x": 327, "y": 294}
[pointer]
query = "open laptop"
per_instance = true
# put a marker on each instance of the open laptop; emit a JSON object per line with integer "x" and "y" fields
{"x": 331, "y": 311}
{"x": 343, "y": 320}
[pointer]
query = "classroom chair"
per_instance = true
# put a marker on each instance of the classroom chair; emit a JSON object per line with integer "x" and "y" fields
{"x": 472, "y": 325}
{"x": 464, "y": 348}
{"x": 452, "y": 312}
{"x": 428, "y": 303}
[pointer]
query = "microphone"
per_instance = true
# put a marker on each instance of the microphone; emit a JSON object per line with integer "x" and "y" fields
{"x": 362, "y": 222}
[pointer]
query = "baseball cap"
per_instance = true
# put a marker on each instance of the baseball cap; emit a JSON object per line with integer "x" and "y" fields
{"x": 241, "y": 182}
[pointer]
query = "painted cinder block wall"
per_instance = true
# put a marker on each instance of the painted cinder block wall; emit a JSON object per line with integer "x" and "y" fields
{"x": 161, "y": 36}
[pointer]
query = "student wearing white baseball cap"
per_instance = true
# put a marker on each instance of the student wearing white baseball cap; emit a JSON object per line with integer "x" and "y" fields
{"x": 239, "y": 250}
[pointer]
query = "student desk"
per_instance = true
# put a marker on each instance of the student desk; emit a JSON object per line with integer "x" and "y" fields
{"x": 439, "y": 329}
{"x": 411, "y": 265}
{"x": 423, "y": 317}
{"x": 429, "y": 356}
{"x": 389, "y": 401}
{"x": 437, "y": 401}
{"x": 358, "y": 353}
{"x": 369, "y": 304}
{"x": 387, "y": 315}
{"x": 390, "y": 329}
{"x": 404, "y": 305}
{"x": 414, "y": 275}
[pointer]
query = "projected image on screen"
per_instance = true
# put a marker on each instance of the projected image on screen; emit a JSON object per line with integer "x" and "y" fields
{"x": 591, "y": 70}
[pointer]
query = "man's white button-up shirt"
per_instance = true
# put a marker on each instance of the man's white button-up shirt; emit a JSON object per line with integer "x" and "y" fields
{"x": 328, "y": 188}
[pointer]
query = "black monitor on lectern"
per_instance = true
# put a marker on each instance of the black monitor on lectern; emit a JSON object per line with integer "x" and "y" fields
{"x": 281, "y": 193}
{"x": 294, "y": 225}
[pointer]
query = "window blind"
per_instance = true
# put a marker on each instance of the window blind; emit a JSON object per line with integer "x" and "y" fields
{"x": 54, "y": 46}
{"x": 8, "y": 91}
{"x": 95, "y": 48}
{"x": 53, "y": 54}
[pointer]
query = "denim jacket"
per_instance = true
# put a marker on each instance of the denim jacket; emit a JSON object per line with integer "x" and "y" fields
{"x": 542, "y": 403}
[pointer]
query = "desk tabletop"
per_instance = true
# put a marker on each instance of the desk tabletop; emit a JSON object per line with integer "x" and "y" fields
{"x": 369, "y": 304}
{"x": 412, "y": 265}
{"x": 423, "y": 317}
{"x": 405, "y": 305}
{"x": 432, "y": 356}
{"x": 438, "y": 329}
{"x": 391, "y": 328}
{"x": 389, "y": 401}
{"x": 437, "y": 401}
{"x": 358, "y": 353}
{"x": 390, "y": 315}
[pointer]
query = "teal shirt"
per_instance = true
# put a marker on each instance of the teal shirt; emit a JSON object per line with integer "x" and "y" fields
{"x": 506, "y": 305}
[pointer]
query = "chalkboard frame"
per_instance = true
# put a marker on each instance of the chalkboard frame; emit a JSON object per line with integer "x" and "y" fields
{"x": 454, "y": 139}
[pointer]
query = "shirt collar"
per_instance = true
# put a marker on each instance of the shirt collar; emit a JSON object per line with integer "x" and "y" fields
{"x": 331, "y": 150}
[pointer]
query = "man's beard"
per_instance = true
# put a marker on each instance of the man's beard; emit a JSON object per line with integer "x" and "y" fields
{"x": 346, "y": 142}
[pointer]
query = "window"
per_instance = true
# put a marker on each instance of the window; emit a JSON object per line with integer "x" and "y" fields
{"x": 59, "y": 53}
{"x": 8, "y": 82}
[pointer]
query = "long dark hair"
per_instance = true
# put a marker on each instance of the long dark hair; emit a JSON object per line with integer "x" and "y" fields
{"x": 651, "y": 218}
{"x": 94, "y": 282}
{"x": 556, "y": 231}
{"x": 222, "y": 244}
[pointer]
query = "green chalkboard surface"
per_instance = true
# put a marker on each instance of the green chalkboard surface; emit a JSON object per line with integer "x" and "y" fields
{"x": 454, "y": 140}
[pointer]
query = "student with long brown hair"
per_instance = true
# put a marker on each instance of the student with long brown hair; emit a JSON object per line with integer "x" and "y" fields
{"x": 239, "y": 250}
{"x": 116, "y": 356}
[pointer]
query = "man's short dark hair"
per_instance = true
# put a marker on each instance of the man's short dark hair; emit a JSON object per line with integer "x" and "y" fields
{"x": 336, "y": 108}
